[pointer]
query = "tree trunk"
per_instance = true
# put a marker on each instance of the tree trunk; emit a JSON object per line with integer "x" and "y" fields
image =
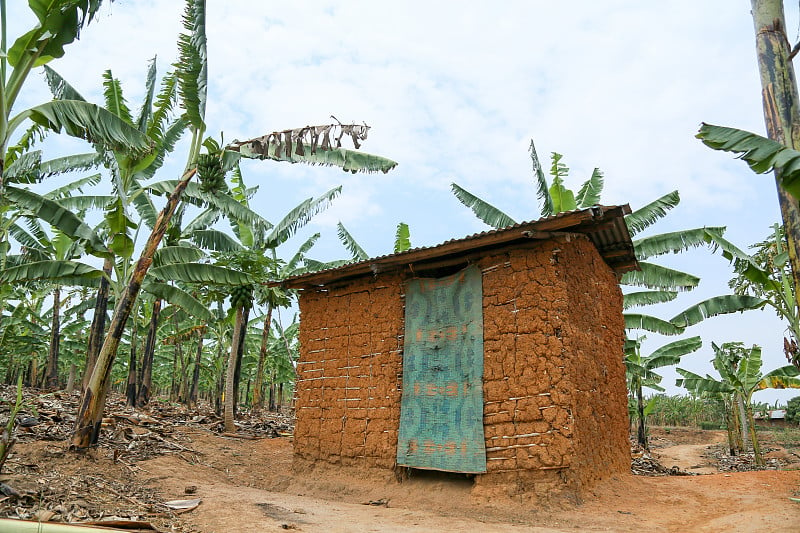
{"x": 173, "y": 384}
{"x": 753, "y": 435}
{"x": 196, "y": 371}
{"x": 33, "y": 372}
{"x": 272, "y": 392}
{"x": 146, "y": 372}
{"x": 98, "y": 322}
{"x": 230, "y": 385}
{"x": 73, "y": 370}
{"x": 742, "y": 420}
{"x": 641, "y": 433}
{"x": 90, "y": 413}
{"x": 183, "y": 385}
{"x": 737, "y": 425}
{"x": 237, "y": 379}
{"x": 55, "y": 341}
{"x": 131, "y": 389}
{"x": 781, "y": 113}
{"x": 258, "y": 386}
{"x": 221, "y": 379}
{"x": 731, "y": 427}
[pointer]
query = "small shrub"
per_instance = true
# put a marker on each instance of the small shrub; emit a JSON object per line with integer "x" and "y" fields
{"x": 793, "y": 410}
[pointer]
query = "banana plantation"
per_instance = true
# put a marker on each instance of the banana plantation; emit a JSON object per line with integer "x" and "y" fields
{"x": 157, "y": 286}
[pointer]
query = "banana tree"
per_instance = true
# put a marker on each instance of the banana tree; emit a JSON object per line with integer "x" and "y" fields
{"x": 555, "y": 197}
{"x": 59, "y": 23}
{"x": 402, "y": 241}
{"x": 310, "y": 145}
{"x": 284, "y": 348}
{"x": 766, "y": 275}
{"x": 662, "y": 284}
{"x": 640, "y": 372}
{"x": 258, "y": 259}
{"x": 740, "y": 374}
{"x": 23, "y": 332}
{"x": 780, "y": 101}
{"x": 128, "y": 170}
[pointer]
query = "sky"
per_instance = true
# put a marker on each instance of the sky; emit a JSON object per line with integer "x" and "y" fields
{"x": 454, "y": 92}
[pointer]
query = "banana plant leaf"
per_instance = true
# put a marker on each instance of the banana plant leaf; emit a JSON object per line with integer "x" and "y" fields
{"x": 674, "y": 349}
{"x": 169, "y": 255}
{"x": 641, "y": 371}
{"x": 300, "y": 216}
{"x": 651, "y": 323}
{"x": 59, "y": 87}
{"x": 742, "y": 261}
{"x": 641, "y": 298}
{"x": 65, "y": 191}
{"x": 645, "y": 216}
{"x": 483, "y": 210}
{"x": 57, "y": 216}
{"x": 223, "y": 202}
{"x": 700, "y": 384}
{"x": 179, "y": 297}
{"x": 87, "y": 121}
{"x": 784, "y": 377}
{"x": 200, "y": 273}
{"x": 760, "y": 153}
{"x": 294, "y": 263}
{"x": 542, "y": 192}
{"x": 348, "y": 160}
{"x": 590, "y": 191}
{"x": 356, "y": 251}
{"x": 58, "y": 272}
{"x": 563, "y": 198}
{"x": 73, "y": 163}
{"x": 146, "y": 111}
{"x": 655, "y": 276}
{"x": 673, "y": 242}
{"x": 115, "y": 101}
{"x": 211, "y": 239}
{"x": 25, "y": 169}
{"x": 193, "y": 74}
{"x": 402, "y": 238}
{"x": 718, "y": 305}
{"x": 83, "y": 202}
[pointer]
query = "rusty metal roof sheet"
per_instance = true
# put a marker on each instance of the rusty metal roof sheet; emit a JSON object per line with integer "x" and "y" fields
{"x": 603, "y": 225}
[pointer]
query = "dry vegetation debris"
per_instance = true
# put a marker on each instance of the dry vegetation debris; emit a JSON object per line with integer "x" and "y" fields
{"x": 47, "y": 482}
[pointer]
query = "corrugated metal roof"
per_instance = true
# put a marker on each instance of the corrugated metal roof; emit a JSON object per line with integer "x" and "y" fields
{"x": 604, "y": 225}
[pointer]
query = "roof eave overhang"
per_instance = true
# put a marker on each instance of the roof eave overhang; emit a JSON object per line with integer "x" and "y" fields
{"x": 604, "y": 226}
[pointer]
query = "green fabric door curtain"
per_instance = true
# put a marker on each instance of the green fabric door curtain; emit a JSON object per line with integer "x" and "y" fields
{"x": 441, "y": 411}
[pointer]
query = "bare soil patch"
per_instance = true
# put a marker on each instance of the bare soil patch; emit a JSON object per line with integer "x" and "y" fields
{"x": 253, "y": 483}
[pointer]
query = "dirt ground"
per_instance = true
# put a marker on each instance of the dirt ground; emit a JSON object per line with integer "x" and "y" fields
{"x": 252, "y": 484}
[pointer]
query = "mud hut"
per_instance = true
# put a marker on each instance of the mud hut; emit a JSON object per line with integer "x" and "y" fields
{"x": 498, "y": 355}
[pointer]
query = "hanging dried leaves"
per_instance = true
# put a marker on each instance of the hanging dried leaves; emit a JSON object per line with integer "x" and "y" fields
{"x": 316, "y": 145}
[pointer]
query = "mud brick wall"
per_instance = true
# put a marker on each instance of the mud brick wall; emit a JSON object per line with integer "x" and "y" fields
{"x": 555, "y": 412}
{"x": 349, "y": 373}
{"x": 526, "y": 392}
{"x": 596, "y": 335}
